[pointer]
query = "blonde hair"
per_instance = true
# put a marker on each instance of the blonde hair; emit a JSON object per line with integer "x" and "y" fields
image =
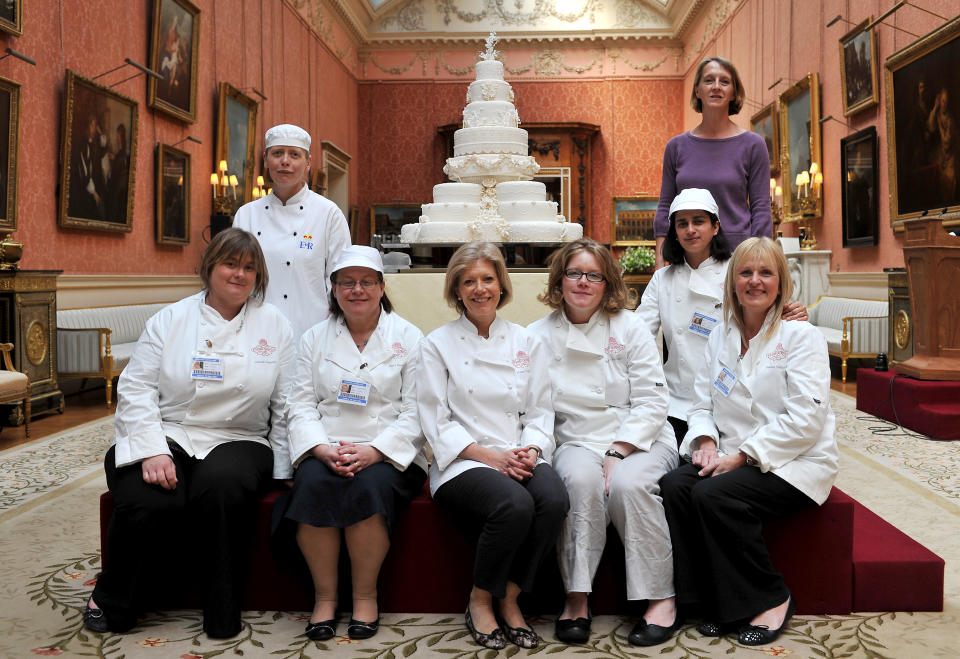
{"x": 766, "y": 251}
{"x": 466, "y": 256}
{"x": 614, "y": 295}
{"x": 736, "y": 103}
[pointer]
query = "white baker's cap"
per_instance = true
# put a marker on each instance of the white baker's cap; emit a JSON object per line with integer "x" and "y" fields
{"x": 359, "y": 256}
{"x": 287, "y": 135}
{"x": 694, "y": 199}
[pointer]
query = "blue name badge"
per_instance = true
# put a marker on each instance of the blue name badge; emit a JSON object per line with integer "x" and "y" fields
{"x": 205, "y": 368}
{"x": 353, "y": 392}
{"x": 725, "y": 381}
{"x": 702, "y": 324}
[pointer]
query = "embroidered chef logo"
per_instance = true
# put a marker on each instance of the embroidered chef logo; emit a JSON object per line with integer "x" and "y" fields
{"x": 779, "y": 353}
{"x": 399, "y": 352}
{"x": 306, "y": 241}
{"x": 522, "y": 361}
{"x": 263, "y": 348}
{"x": 613, "y": 347}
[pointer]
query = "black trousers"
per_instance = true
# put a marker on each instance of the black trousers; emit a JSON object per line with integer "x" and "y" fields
{"x": 515, "y": 524}
{"x": 679, "y": 428}
{"x": 721, "y": 562}
{"x": 203, "y": 527}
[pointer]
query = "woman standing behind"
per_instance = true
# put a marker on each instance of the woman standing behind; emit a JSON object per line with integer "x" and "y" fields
{"x": 200, "y": 429}
{"x": 354, "y": 437}
{"x": 614, "y": 439}
{"x": 730, "y": 162}
{"x": 484, "y": 400}
{"x": 761, "y": 447}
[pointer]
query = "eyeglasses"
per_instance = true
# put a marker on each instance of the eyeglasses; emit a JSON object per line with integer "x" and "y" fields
{"x": 349, "y": 284}
{"x": 575, "y": 275}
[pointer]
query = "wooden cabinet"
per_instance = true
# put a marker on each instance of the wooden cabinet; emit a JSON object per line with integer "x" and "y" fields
{"x": 28, "y": 319}
{"x": 901, "y": 321}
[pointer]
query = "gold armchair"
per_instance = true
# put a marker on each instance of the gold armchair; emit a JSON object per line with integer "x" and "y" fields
{"x": 14, "y": 385}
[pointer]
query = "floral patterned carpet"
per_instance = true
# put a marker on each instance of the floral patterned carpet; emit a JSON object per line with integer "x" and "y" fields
{"x": 50, "y": 547}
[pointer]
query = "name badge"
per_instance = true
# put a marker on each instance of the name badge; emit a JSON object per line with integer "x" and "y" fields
{"x": 725, "y": 381}
{"x": 702, "y": 324}
{"x": 205, "y": 368}
{"x": 353, "y": 392}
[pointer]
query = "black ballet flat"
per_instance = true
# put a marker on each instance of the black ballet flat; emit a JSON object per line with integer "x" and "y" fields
{"x": 712, "y": 629}
{"x": 321, "y": 631}
{"x": 521, "y": 636}
{"x": 95, "y": 620}
{"x": 359, "y": 630}
{"x": 761, "y": 634}
{"x": 495, "y": 640}
{"x": 645, "y": 634}
{"x": 573, "y": 630}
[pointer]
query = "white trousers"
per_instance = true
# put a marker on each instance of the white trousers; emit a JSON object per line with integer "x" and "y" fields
{"x": 635, "y": 508}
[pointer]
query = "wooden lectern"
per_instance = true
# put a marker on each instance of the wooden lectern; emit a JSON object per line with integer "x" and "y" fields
{"x": 933, "y": 270}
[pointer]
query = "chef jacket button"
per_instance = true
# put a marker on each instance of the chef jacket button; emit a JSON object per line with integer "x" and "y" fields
{"x": 466, "y": 363}
{"x": 295, "y": 233}
{"x": 268, "y": 208}
{"x": 284, "y": 296}
{"x": 679, "y": 299}
{"x": 240, "y": 386}
{"x": 558, "y": 357}
{"x": 469, "y": 391}
{"x": 333, "y": 390}
{"x": 509, "y": 386}
{"x": 200, "y": 385}
{"x": 679, "y": 329}
{"x": 288, "y": 262}
{"x": 301, "y": 208}
{"x": 258, "y": 233}
{"x": 229, "y": 419}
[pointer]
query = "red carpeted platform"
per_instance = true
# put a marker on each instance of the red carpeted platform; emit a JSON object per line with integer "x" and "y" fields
{"x": 929, "y": 407}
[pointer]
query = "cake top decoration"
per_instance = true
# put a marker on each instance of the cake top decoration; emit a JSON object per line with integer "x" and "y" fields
{"x": 491, "y": 42}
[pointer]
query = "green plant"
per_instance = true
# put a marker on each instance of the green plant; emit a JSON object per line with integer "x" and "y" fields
{"x": 637, "y": 259}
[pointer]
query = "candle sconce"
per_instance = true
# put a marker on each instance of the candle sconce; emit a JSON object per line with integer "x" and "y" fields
{"x": 809, "y": 195}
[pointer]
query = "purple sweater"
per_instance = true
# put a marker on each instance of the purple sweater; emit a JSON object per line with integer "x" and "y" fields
{"x": 736, "y": 170}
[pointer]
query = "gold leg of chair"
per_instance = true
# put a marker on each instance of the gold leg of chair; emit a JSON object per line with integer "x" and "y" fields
{"x": 109, "y": 387}
{"x": 843, "y": 369}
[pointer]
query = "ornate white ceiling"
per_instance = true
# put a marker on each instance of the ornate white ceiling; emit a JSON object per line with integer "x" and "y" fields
{"x": 379, "y": 23}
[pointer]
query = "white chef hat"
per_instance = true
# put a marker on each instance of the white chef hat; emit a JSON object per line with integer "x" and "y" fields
{"x": 287, "y": 135}
{"x": 694, "y": 199}
{"x": 359, "y": 256}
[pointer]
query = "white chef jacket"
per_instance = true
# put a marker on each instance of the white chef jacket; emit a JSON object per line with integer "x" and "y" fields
{"x": 608, "y": 384}
{"x": 300, "y": 241}
{"x": 671, "y": 300}
{"x": 778, "y": 408}
{"x": 389, "y": 421}
{"x": 495, "y": 392}
{"x": 157, "y": 399}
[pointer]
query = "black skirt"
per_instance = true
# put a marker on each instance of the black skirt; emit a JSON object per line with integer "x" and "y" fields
{"x": 321, "y": 498}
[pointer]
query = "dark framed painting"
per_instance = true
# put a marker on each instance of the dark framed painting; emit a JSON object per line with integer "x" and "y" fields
{"x": 174, "y": 48}
{"x": 765, "y": 124}
{"x": 9, "y": 152}
{"x": 173, "y": 196}
{"x": 799, "y": 143}
{"x": 11, "y": 16}
{"x": 98, "y": 157}
{"x": 632, "y": 221}
{"x": 236, "y": 138}
{"x": 858, "y": 69}
{"x": 923, "y": 124}
{"x": 858, "y": 166}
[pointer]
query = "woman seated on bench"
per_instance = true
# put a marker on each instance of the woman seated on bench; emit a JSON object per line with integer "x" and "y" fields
{"x": 761, "y": 447}
{"x": 199, "y": 433}
{"x": 355, "y": 435}
{"x": 484, "y": 399}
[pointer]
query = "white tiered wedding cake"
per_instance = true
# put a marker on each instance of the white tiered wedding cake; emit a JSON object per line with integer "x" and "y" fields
{"x": 492, "y": 197}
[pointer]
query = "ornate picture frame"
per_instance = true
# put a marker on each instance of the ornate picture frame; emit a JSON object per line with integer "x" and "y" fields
{"x": 765, "y": 124}
{"x": 174, "y": 48}
{"x": 858, "y": 167}
{"x": 11, "y": 17}
{"x": 922, "y": 128}
{"x": 98, "y": 157}
{"x": 799, "y": 142}
{"x": 9, "y": 153}
{"x": 632, "y": 222}
{"x": 172, "y": 196}
{"x": 236, "y": 139}
{"x": 859, "y": 69}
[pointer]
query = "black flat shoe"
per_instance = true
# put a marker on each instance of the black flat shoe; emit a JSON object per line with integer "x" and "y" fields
{"x": 95, "y": 620}
{"x": 573, "y": 630}
{"x": 713, "y": 629}
{"x": 521, "y": 636}
{"x": 321, "y": 631}
{"x": 495, "y": 640}
{"x": 761, "y": 634}
{"x": 644, "y": 633}
{"x": 359, "y": 630}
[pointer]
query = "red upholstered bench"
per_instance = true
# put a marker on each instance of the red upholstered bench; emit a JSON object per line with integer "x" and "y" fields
{"x": 836, "y": 558}
{"x": 930, "y": 407}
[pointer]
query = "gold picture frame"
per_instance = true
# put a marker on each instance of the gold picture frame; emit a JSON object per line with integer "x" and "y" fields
{"x": 858, "y": 69}
{"x": 632, "y": 222}
{"x": 236, "y": 139}
{"x": 917, "y": 77}
{"x": 9, "y": 152}
{"x": 11, "y": 17}
{"x": 174, "y": 48}
{"x": 99, "y": 133}
{"x": 766, "y": 124}
{"x": 800, "y": 145}
{"x": 173, "y": 196}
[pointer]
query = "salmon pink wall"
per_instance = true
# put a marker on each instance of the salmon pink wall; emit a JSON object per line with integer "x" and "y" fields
{"x": 402, "y": 155}
{"x": 263, "y": 44}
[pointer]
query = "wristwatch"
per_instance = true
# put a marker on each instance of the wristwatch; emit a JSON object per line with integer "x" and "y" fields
{"x": 613, "y": 453}
{"x": 750, "y": 461}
